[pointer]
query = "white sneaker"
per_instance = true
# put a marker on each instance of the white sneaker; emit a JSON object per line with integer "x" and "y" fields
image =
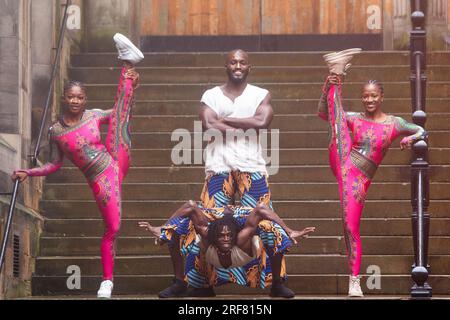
{"x": 127, "y": 50}
{"x": 338, "y": 61}
{"x": 329, "y": 55}
{"x": 105, "y": 289}
{"x": 334, "y": 55}
{"x": 354, "y": 287}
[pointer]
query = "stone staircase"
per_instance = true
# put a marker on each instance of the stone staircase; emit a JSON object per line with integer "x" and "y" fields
{"x": 304, "y": 191}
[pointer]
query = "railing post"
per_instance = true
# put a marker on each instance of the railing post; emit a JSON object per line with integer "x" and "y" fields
{"x": 419, "y": 165}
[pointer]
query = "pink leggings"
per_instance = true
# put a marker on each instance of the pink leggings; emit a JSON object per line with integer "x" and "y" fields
{"x": 107, "y": 186}
{"x": 353, "y": 185}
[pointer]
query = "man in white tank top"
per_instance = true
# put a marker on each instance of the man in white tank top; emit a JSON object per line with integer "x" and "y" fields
{"x": 232, "y": 165}
{"x": 237, "y": 110}
{"x": 236, "y": 163}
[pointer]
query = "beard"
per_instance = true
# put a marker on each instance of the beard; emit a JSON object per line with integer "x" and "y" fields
{"x": 236, "y": 80}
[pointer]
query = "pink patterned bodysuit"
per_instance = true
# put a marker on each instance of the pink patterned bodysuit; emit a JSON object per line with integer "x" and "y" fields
{"x": 354, "y": 163}
{"x": 104, "y": 166}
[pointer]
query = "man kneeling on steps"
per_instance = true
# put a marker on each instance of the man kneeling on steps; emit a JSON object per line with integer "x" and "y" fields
{"x": 232, "y": 244}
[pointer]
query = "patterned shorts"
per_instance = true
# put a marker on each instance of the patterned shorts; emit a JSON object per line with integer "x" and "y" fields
{"x": 220, "y": 188}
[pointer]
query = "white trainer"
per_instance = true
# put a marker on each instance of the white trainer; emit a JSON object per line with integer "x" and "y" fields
{"x": 105, "y": 289}
{"x": 334, "y": 55}
{"x": 329, "y": 55}
{"x": 127, "y": 50}
{"x": 338, "y": 62}
{"x": 354, "y": 287}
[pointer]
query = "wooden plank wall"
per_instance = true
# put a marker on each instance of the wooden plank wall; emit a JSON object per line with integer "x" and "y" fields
{"x": 317, "y": 16}
{"x": 200, "y": 17}
{"x": 254, "y": 17}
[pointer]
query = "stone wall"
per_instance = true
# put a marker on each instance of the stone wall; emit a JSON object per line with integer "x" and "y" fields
{"x": 22, "y": 250}
{"x": 28, "y": 36}
{"x": 15, "y": 139}
{"x": 436, "y": 25}
{"x": 103, "y": 18}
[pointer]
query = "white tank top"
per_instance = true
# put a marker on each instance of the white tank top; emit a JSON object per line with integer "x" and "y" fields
{"x": 243, "y": 152}
{"x": 239, "y": 258}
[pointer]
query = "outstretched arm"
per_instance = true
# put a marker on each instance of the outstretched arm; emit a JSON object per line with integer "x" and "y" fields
{"x": 322, "y": 108}
{"x": 55, "y": 162}
{"x": 261, "y": 120}
{"x": 189, "y": 209}
{"x": 260, "y": 213}
{"x": 413, "y": 132}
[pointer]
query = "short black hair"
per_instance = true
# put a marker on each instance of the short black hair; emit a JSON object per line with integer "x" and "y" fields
{"x": 216, "y": 226}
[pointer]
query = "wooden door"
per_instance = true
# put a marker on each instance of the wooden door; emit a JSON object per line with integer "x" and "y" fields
{"x": 261, "y": 24}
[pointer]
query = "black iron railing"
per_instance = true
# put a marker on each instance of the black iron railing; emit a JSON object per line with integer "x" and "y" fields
{"x": 419, "y": 166}
{"x": 39, "y": 138}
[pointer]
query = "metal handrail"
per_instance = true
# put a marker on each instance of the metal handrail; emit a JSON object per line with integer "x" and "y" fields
{"x": 38, "y": 142}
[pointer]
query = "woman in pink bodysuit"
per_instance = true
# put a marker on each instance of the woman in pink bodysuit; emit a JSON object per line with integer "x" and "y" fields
{"x": 354, "y": 162}
{"x": 76, "y": 135}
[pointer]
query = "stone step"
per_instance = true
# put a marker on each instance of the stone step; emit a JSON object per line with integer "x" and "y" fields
{"x": 226, "y": 298}
{"x": 72, "y": 209}
{"x": 280, "y": 191}
{"x": 287, "y": 157}
{"x": 315, "y": 245}
{"x": 90, "y": 246}
{"x": 300, "y": 90}
{"x": 301, "y": 284}
{"x": 304, "y": 190}
{"x": 217, "y": 59}
{"x": 324, "y": 227}
{"x": 383, "y": 73}
{"x": 395, "y": 106}
{"x": 285, "y": 140}
{"x": 296, "y": 264}
{"x": 286, "y": 122}
{"x": 285, "y": 174}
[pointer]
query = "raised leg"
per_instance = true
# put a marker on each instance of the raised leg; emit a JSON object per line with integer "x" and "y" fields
{"x": 118, "y": 139}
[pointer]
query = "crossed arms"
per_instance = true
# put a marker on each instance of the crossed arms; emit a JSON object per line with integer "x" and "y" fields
{"x": 261, "y": 120}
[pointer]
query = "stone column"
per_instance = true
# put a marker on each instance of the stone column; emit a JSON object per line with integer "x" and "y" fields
{"x": 103, "y": 18}
{"x": 43, "y": 25}
{"x": 388, "y": 37}
{"x": 15, "y": 136}
{"x": 436, "y": 24}
{"x": 401, "y": 24}
{"x": 15, "y": 86}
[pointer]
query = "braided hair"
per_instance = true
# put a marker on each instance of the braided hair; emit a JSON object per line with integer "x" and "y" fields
{"x": 375, "y": 83}
{"x": 216, "y": 226}
{"x": 73, "y": 83}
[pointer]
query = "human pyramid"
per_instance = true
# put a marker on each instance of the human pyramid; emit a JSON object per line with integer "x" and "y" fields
{"x": 213, "y": 242}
